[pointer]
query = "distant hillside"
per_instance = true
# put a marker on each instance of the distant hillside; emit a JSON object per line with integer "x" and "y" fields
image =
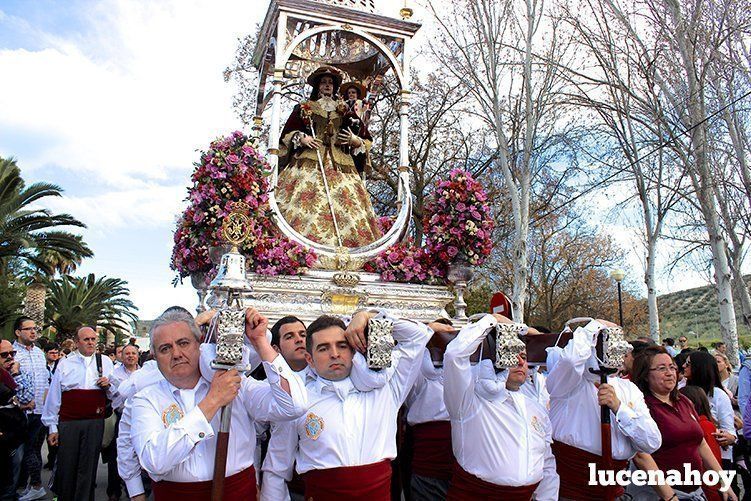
{"x": 693, "y": 310}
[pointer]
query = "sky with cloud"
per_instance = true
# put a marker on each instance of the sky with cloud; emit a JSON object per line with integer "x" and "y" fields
{"x": 111, "y": 100}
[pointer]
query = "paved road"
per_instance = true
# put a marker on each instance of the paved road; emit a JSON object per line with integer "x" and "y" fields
{"x": 101, "y": 479}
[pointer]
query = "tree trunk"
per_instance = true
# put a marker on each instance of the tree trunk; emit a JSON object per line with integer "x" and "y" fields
{"x": 741, "y": 289}
{"x": 520, "y": 264}
{"x": 649, "y": 280}
{"x": 702, "y": 176}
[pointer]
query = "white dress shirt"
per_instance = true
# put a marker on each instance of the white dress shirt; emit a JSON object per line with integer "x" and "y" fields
{"x": 722, "y": 411}
{"x": 345, "y": 426}
{"x": 119, "y": 375}
{"x": 575, "y": 411}
{"x": 128, "y": 466}
{"x": 499, "y": 436}
{"x": 534, "y": 387}
{"x": 425, "y": 400}
{"x": 33, "y": 361}
{"x": 174, "y": 441}
{"x": 74, "y": 372}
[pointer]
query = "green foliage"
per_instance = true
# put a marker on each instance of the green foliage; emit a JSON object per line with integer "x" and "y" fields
{"x": 72, "y": 302}
{"x": 11, "y": 297}
{"x": 695, "y": 311}
{"x": 30, "y": 233}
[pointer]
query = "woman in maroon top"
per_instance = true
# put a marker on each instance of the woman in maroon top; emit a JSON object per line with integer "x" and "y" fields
{"x": 655, "y": 374}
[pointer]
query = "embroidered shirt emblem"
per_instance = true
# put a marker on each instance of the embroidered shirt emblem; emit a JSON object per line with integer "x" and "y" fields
{"x": 171, "y": 415}
{"x": 313, "y": 426}
{"x": 537, "y": 425}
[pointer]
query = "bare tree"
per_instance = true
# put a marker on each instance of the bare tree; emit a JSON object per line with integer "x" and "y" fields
{"x": 616, "y": 79}
{"x": 498, "y": 52}
{"x": 687, "y": 36}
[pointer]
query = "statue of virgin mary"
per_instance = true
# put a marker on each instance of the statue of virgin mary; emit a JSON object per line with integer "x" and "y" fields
{"x": 319, "y": 190}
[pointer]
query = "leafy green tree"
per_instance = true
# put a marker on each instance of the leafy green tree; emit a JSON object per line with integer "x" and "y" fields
{"x": 30, "y": 233}
{"x": 33, "y": 246}
{"x": 103, "y": 302}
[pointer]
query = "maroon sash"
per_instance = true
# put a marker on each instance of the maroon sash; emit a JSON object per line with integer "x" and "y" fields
{"x": 238, "y": 487}
{"x": 433, "y": 456}
{"x": 82, "y": 404}
{"x": 371, "y": 482}
{"x": 467, "y": 487}
{"x": 572, "y": 465}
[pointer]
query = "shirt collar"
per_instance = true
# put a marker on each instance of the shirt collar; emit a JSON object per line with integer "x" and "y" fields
{"x": 21, "y": 346}
{"x": 176, "y": 391}
{"x": 340, "y": 388}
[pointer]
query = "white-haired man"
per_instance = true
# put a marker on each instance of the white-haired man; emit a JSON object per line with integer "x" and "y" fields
{"x": 174, "y": 422}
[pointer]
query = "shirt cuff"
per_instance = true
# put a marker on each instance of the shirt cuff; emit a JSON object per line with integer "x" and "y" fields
{"x": 52, "y": 428}
{"x": 134, "y": 486}
{"x": 625, "y": 415}
{"x": 196, "y": 426}
{"x": 277, "y": 369}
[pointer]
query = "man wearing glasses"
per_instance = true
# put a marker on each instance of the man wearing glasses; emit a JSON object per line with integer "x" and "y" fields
{"x": 32, "y": 360}
{"x": 11, "y": 377}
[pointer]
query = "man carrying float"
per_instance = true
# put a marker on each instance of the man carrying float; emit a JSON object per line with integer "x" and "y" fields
{"x": 576, "y": 397}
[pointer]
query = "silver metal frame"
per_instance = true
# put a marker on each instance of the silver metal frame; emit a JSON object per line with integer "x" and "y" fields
{"x": 366, "y": 26}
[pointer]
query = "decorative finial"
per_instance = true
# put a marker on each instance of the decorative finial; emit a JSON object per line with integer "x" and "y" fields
{"x": 406, "y": 12}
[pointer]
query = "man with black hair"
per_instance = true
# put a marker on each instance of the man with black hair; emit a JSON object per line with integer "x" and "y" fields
{"x": 669, "y": 344}
{"x": 32, "y": 361}
{"x": 344, "y": 444}
{"x": 74, "y": 412}
{"x": 288, "y": 339}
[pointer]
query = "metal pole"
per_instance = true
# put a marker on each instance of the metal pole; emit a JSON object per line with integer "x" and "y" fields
{"x": 620, "y": 305}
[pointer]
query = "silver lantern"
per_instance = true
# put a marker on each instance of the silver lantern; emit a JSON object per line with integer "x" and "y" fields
{"x": 614, "y": 347}
{"x": 508, "y": 346}
{"x": 228, "y": 326}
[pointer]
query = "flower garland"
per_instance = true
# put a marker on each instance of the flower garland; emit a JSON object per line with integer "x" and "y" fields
{"x": 231, "y": 170}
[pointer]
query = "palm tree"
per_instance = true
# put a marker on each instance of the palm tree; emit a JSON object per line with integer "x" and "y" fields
{"x": 29, "y": 238}
{"x": 101, "y": 302}
{"x": 26, "y": 232}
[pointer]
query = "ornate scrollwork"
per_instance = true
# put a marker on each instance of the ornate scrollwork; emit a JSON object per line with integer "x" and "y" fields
{"x": 380, "y": 343}
{"x": 230, "y": 328}
{"x": 508, "y": 346}
{"x": 614, "y": 347}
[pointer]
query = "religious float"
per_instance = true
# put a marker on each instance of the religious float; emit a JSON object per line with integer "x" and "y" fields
{"x": 303, "y": 221}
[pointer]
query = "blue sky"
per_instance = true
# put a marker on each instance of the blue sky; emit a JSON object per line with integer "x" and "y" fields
{"x": 111, "y": 99}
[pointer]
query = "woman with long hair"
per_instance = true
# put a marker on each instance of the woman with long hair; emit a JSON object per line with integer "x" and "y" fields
{"x": 701, "y": 370}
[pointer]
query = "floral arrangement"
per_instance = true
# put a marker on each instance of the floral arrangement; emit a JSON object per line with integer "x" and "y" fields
{"x": 457, "y": 220}
{"x": 231, "y": 170}
{"x": 458, "y": 227}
